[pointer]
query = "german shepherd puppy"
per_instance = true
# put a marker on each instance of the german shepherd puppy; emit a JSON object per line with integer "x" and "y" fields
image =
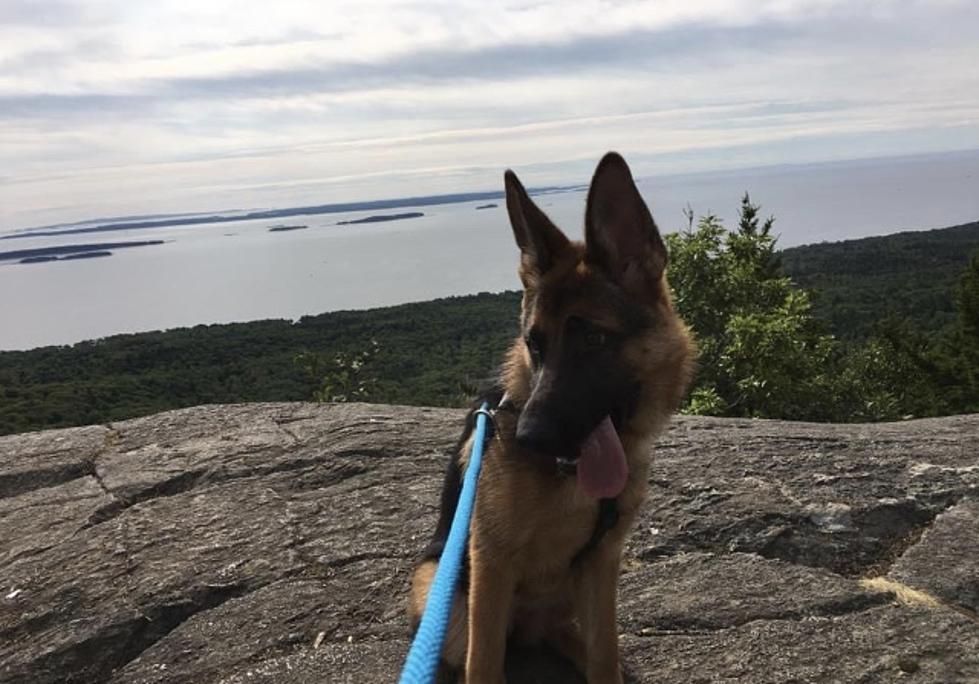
{"x": 602, "y": 362}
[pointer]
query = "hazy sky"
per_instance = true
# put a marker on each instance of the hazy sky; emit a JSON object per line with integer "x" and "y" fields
{"x": 112, "y": 107}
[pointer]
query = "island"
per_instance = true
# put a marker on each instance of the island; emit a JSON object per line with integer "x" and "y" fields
{"x": 37, "y": 259}
{"x": 382, "y": 217}
{"x": 67, "y": 257}
{"x": 39, "y": 255}
{"x": 283, "y": 229}
{"x": 86, "y": 255}
{"x": 487, "y": 206}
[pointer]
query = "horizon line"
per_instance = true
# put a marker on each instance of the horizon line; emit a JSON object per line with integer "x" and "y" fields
{"x": 139, "y": 221}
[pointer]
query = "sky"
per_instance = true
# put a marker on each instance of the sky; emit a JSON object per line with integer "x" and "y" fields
{"x": 126, "y": 107}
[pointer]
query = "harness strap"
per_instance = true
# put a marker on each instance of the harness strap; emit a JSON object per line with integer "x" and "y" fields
{"x": 608, "y": 517}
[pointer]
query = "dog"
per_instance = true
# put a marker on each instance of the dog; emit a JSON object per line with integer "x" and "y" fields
{"x": 602, "y": 362}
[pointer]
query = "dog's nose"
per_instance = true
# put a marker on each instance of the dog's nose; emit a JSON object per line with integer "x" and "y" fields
{"x": 538, "y": 434}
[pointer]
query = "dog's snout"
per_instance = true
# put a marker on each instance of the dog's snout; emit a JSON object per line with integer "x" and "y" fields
{"x": 536, "y": 433}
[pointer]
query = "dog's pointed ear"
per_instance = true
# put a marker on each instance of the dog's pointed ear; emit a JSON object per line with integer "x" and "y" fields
{"x": 620, "y": 234}
{"x": 539, "y": 240}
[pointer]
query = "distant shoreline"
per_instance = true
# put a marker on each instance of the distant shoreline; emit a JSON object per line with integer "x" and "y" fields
{"x": 338, "y": 208}
{"x": 67, "y": 257}
{"x": 85, "y": 255}
{"x": 655, "y": 179}
{"x": 380, "y": 218}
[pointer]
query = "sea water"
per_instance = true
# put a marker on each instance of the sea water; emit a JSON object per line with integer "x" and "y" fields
{"x": 239, "y": 271}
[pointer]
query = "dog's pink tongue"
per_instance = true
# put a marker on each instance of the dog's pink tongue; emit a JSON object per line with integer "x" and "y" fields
{"x": 602, "y": 469}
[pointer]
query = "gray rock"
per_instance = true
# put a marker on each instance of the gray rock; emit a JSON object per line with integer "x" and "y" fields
{"x": 702, "y": 592}
{"x": 273, "y": 543}
{"x": 945, "y": 561}
{"x": 884, "y": 644}
{"x": 43, "y": 459}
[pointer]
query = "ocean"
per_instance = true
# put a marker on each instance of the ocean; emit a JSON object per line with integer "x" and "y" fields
{"x": 240, "y": 271}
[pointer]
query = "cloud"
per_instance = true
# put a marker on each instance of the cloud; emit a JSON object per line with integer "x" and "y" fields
{"x": 622, "y": 52}
{"x": 171, "y": 106}
{"x": 49, "y": 13}
{"x": 43, "y": 105}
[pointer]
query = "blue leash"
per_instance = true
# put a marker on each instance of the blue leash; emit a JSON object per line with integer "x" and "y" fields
{"x": 423, "y": 658}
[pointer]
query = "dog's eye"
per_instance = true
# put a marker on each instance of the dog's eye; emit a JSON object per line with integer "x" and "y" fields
{"x": 534, "y": 346}
{"x": 592, "y": 337}
{"x": 595, "y": 339}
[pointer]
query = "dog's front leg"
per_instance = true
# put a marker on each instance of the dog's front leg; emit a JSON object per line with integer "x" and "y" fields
{"x": 490, "y": 596}
{"x": 595, "y": 603}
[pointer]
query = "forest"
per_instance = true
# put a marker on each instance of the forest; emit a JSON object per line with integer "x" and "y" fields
{"x": 880, "y": 328}
{"x": 910, "y": 274}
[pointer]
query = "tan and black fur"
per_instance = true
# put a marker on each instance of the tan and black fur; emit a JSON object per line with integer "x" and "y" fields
{"x": 599, "y": 338}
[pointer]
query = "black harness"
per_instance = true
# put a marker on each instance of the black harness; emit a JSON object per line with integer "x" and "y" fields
{"x": 608, "y": 509}
{"x": 608, "y": 517}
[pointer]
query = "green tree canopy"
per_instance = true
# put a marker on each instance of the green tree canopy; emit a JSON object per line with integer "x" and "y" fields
{"x": 762, "y": 352}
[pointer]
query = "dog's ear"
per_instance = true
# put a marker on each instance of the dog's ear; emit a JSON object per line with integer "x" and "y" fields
{"x": 539, "y": 240}
{"x": 620, "y": 234}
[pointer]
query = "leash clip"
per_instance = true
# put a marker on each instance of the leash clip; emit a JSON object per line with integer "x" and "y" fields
{"x": 505, "y": 404}
{"x": 489, "y": 413}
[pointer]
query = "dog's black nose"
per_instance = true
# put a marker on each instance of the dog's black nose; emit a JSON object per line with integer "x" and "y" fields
{"x": 538, "y": 434}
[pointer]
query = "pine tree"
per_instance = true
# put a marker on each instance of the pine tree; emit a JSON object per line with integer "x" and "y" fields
{"x": 762, "y": 352}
